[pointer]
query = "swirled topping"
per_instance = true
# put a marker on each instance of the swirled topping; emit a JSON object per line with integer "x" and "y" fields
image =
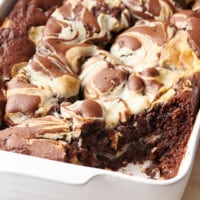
{"x": 116, "y": 111}
{"x": 102, "y": 76}
{"x": 37, "y": 88}
{"x": 109, "y": 112}
{"x": 188, "y": 20}
{"x": 82, "y": 112}
{"x": 151, "y": 9}
{"x": 107, "y": 81}
{"x": 25, "y": 100}
{"x": 78, "y": 22}
{"x": 122, "y": 90}
{"x": 45, "y": 137}
{"x": 140, "y": 46}
{"x": 84, "y": 109}
{"x": 145, "y": 61}
{"x": 15, "y": 32}
{"x": 55, "y": 65}
{"x": 87, "y": 20}
{"x": 78, "y": 54}
{"x": 135, "y": 83}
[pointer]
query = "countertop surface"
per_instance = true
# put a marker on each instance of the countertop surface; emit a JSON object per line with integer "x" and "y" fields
{"x": 192, "y": 191}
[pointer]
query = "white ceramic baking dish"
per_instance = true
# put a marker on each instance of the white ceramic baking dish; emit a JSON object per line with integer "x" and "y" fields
{"x": 28, "y": 178}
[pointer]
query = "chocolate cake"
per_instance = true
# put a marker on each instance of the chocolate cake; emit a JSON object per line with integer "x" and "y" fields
{"x": 106, "y": 83}
{"x": 18, "y": 38}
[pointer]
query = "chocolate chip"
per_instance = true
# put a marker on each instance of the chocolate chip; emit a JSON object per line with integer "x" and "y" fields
{"x": 150, "y": 72}
{"x": 135, "y": 83}
{"x": 90, "y": 108}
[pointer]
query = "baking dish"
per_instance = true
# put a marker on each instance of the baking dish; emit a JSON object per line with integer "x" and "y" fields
{"x": 26, "y": 177}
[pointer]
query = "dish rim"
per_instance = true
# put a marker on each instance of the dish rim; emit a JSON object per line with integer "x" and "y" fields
{"x": 184, "y": 168}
